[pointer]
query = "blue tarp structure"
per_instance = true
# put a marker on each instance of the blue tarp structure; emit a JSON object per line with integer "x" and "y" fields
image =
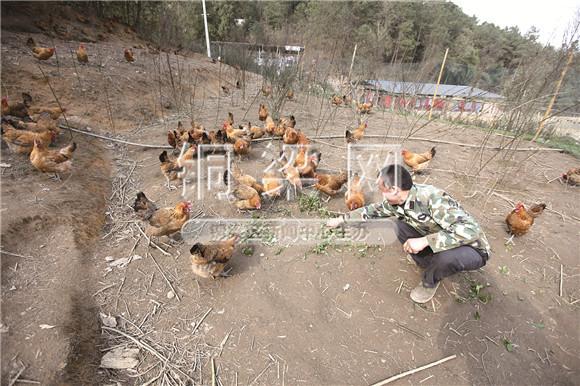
{"x": 427, "y": 89}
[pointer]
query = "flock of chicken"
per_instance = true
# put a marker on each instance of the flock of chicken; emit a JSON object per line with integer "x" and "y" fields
{"x": 209, "y": 260}
{"x": 45, "y": 53}
{"x": 247, "y": 193}
{"x": 30, "y": 129}
{"x": 362, "y": 108}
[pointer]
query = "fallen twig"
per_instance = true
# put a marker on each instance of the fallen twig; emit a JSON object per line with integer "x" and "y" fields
{"x": 329, "y": 144}
{"x": 29, "y": 381}
{"x": 151, "y": 241}
{"x": 201, "y": 320}
{"x": 213, "y": 377}
{"x": 67, "y": 127}
{"x": 165, "y": 277}
{"x": 411, "y": 331}
{"x": 54, "y": 95}
{"x": 561, "y": 278}
{"x": 424, "y": 139}
{"x": 15, "y": 254}
{"x": 261, "y": 373}
{"x": 104, "y": 288}
{"x": 410, "y": 372}
{"x": 13, "y": 380}
{"x": 224, "y": 341}
{"x": 483, "y": 363}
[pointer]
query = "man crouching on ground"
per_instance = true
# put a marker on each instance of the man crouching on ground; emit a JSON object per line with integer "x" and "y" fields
{"x": 438, "y": 234}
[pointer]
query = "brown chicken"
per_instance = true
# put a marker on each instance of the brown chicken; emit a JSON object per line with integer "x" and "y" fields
{"x": 246, "y": 198}
{"x": 163, "y": 221}
{"x": 170, "y": 169}
{"x": 188, "y": 155}
{"x": 230, "y": 119}
{"x": 520, "y": 220}
{"x": 356, "y": 134}
{"x": 364, "y": 108}
{"x": 290, "y": 136}
{"x": 197, "y": 126}
{"x": 302, "y": 138}
{"x": 418, "y": 162}
{"x": 266, "y": 90}
{"x": 307, "y": 161}
{"x": 42, "y": 53}
{"x": 82, "y": 56}
{"x": 330, "y": 183}
{"x": 234, "y": 134}
{"x": 22, "y": 141}
{"x": 172, "y": 138}
{"x": 209, "y": 260}
{"x": 52, "y": 161}
{"x": 217, "y": 137}
{"x": 572, "y": 177}
{"x": 290, "y": 94}
{"x": 293, "y": 177}
{"x": 242, "y": 146}
{"x": 270, "y": 125}
{"x": 176, "y": 138}
{"x": 17, "y": 109}
{"x": 262, "y": 112}
{"x": 300, "y": 159}
{"x": 43, "y": 122}
{"x": 181, "y": 128}
{"x": 355, "y": 197}
{"x": 287, "y": 122}
{"x": 143, "y": 207}
{"x": 196, "y": 130}
{"x": 336, "y": 100}
{"x": 255, "y": 131}
{"x": 279, "y": 130}
{"x": 199, "y": 135}
{"x": 239, "y": 178}
{"x": 204, "y": 139}
{"x": 53, "y": 112}
{"x": 129, "y": 55}
{"x": 273, "y": 186}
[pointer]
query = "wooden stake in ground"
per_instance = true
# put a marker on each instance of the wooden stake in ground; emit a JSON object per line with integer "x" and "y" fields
{"x": 549, "y": 109}
{"x": 213, "y": 378}
{"x": 410, "y": 372}
{"x": 352, "y": 62}
{"x": 438, "y": 81}
{"x": 561, "y": 278}
{"x": 217, "y": 114}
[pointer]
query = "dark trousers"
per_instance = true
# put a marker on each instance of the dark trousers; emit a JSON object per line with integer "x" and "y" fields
{"x": 441, "y": 264}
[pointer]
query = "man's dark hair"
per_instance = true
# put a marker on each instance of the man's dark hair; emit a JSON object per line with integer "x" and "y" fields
{"x": 396, "y": 175}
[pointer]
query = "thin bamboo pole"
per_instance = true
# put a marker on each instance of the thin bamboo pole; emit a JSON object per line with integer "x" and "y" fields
{"x": 438, "y": 81}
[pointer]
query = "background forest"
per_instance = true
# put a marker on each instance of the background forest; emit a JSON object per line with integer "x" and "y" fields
{"x": 396, "y": 40}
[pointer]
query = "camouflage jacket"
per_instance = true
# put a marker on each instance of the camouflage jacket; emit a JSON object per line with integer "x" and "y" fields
{"x": 434, "y": 214}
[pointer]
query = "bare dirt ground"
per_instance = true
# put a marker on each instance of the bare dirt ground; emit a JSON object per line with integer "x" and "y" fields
{"x": 287, "y": 315}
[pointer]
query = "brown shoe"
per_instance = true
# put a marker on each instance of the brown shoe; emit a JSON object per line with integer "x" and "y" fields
{"x": 422, "y": 294}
